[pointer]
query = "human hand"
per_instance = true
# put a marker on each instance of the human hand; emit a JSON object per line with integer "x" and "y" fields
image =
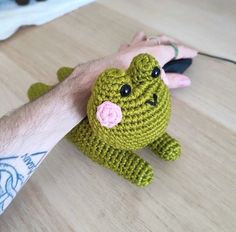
{"x": 162, "y": 49}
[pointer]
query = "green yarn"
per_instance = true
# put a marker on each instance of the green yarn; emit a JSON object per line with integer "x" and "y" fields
{"x": 124, "y": 163}
{"x": 142, "y": 125}
{"x": 63, "y": 73}
{"x": 141, "y": 122}
{"x": 37, "y": 89}
{"x": 167, "y": 147}
{"x": 141, "y": 68}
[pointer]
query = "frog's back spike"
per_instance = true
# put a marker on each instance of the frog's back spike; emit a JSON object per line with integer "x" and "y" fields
{"x": 63, "y": 73}
{"x": 36, "y": 90}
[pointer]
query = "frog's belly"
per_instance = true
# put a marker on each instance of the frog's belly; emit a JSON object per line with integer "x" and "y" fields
{"x": 134, "y": 139}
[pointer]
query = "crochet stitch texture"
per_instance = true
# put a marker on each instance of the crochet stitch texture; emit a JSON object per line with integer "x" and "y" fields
{"x": 144, "y": 100}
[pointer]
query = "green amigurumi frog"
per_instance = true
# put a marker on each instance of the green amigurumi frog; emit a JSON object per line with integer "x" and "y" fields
{"x": 128, "y": 110}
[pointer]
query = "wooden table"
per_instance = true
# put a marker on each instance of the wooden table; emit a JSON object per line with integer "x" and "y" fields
{"x": 71, "y": 193}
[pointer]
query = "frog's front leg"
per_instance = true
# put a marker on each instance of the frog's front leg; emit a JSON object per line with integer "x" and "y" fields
{"x": 166, "y": 147}
{"x": 124, "y": 163}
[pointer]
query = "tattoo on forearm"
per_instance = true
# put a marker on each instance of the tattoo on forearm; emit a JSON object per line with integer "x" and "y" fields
{"x": 14, "y": 172}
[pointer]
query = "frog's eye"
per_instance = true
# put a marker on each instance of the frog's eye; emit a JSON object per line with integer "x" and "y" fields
{"x": 156, "y": 72}
{"x": 125, "y": 90}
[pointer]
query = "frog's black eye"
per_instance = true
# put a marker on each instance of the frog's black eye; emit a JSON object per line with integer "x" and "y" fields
{"x": 156, "y": 72}
{"x": 125, "y": 90}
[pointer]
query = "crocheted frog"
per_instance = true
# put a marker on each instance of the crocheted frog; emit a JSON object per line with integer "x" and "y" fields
{"x": 128, "y": 110}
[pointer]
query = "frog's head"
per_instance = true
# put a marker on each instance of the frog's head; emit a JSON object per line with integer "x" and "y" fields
{"x": 130, "y": 109}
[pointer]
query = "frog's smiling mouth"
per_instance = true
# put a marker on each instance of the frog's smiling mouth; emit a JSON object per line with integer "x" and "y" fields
{"x": 152, "y": 102}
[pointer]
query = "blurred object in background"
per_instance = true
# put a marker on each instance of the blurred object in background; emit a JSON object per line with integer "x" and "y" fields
{"x": 32, "y": 12}
{"x": 25, "y": 2}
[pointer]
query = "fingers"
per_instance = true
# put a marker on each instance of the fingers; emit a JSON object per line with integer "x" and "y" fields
{"x": 138, "y": 37}
{"x": 166, "y": 40}
{"x": 123, "y": 46}
{"x": 164, "y": 77}
{"x": 176, "y": 80}
{"x": 161, "y": 40}
{"x": 165, "y": 53}
{"x": 185, "y": 52}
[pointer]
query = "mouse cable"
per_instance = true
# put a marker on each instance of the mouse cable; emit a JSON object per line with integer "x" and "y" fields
{"x": 217, "y": 57}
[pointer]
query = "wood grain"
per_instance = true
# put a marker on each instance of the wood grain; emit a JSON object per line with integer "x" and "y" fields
{"x": 71, "y": 193}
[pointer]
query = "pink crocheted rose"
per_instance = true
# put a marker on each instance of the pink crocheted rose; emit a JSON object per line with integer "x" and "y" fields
{"x": 109, "y": 114}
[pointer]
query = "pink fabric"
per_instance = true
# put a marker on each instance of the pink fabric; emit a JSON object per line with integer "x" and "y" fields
{"x": 109, "y": 114}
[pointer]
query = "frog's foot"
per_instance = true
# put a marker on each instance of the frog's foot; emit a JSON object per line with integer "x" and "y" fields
{"x": 124, "y": 163}
{"x": 166, "y": 147}
{"x": 63, "y": 73}
{"x": 129, "y": 165}
{"x": 36, "y": 90}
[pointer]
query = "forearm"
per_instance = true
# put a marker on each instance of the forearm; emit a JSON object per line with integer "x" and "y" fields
{"x": 52, "y": 115}
{"x": 30, "y": 132}
{"x": 41, "y": 124}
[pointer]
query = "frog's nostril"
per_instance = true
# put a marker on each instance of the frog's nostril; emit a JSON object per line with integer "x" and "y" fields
{"x": 152, "y": 102}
